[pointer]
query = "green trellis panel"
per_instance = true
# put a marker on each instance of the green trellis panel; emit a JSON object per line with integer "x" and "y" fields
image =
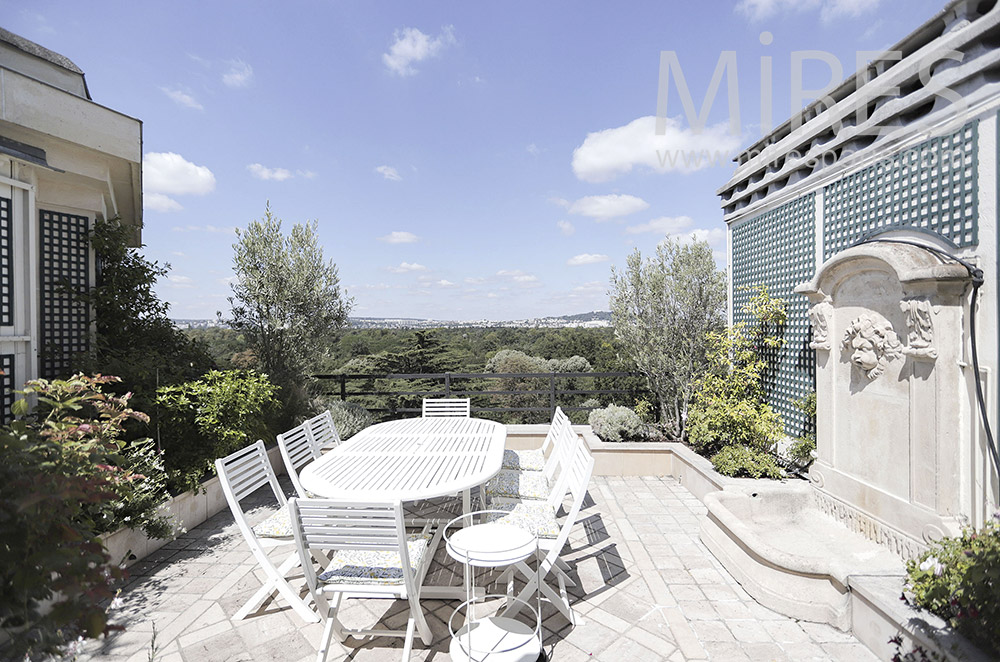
{"x": 778, "y": 250}
{"x": 931, "y": 186}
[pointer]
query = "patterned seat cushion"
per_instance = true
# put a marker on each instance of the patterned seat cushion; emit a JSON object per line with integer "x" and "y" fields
{"x": 534, "y": 516}
{"x": 526, "y": 460}
{"x": 519, "y": 485}
{"x": 371, "y": 567}
{"x": 277, "y": 525}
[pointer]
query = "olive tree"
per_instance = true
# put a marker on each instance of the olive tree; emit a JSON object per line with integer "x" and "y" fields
{"x": 661, "y": 309}
{"x": 287, "y": 300}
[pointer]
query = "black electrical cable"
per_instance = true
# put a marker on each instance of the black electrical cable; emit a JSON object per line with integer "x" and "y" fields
{"x": 977, "y": 281}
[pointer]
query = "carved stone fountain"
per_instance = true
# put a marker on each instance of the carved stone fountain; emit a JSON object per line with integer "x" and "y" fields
{"x": 894, "y": 417}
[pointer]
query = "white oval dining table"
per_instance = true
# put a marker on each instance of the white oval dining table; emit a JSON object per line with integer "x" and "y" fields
{"x": 411, "y": 459}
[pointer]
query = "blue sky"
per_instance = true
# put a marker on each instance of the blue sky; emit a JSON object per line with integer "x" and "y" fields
{"x": 463, "y": 160}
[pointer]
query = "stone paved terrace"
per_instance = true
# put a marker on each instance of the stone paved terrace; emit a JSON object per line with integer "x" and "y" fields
{"x": 647, "y": 590}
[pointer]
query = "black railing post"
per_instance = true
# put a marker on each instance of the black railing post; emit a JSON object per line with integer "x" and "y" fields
{"x": 552, "y": 396}
{"x": 343, "y": 388}
{"x": 447, "y": 384}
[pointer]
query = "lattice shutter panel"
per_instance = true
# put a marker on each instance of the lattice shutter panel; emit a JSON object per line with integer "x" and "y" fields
{"x": 6, "y": 264}
{"x": 931, "y": 186}
{"x": 6, "y": 387}
{"x": 778, "y": 250}
{"x": 65, "y": 268}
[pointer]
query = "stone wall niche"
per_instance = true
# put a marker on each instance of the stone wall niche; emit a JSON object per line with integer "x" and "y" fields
{"x": 892, "y": 419}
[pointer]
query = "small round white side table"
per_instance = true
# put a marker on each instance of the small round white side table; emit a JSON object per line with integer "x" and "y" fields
{"x": 495, "y": 638}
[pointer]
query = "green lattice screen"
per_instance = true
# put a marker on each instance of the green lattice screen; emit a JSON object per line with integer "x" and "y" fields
{"x": 931, "y": 186}
{"x": 778, "y": 250}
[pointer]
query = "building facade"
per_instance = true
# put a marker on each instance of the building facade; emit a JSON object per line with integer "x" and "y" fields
{"x": 65, "y": 162}
{"x": 906, "y": 149}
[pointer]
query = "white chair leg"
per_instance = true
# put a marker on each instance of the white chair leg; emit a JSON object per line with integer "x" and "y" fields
{"x": 278, "y": 583}
{"x": 324, "y": 647}
{"x": 408, "y": 641}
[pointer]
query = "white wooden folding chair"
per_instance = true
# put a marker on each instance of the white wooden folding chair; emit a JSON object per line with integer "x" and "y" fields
{"x": 533, "y": 459}
{"x": 323, "y": 431}
{"x": 298, "y": 448}
{"x": 446, "y": 407}
{"x": 540, "y": 517}
{"x": 510, "y": 484}
{"x": 372, "y": 557}
{"x": 241, "y": 474}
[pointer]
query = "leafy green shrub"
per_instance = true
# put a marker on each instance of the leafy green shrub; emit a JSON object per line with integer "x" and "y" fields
{"x": 65, "y": 477}
{"x": 742, "y": 461}
{"x": 615, "y": 423}
{"x": 645, "y": 411}
{"x": 208, "y": 418}
{"x": 728, "y": 406}
{"x": 959, "y": 580}
{"x": 801, "y": 450}
{"x": 349, "y": 418}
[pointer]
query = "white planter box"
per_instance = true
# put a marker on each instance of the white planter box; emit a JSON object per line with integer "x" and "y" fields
{"x": 188, "y": 510}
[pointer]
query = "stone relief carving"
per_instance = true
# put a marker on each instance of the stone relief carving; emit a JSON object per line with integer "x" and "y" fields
{"x": 819, "y": 317}
{"x": 872, "y": 344}
{"x": 920, "y": 328}
{"x": 870, "y": 528}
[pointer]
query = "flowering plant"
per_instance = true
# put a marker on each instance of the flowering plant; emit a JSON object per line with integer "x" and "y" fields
{"x": 959, "y": 580}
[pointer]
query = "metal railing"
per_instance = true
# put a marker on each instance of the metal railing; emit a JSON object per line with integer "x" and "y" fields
{"x": 536, "y": 386}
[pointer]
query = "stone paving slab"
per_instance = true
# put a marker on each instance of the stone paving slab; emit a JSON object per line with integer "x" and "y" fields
{"x": 647, "y": 590}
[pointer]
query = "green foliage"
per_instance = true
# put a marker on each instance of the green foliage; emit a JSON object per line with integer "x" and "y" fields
{"x": 615, "y": 423}
{"x": 644, "y": 410}
{"x": 349, "y": 418}
{"x": 208, "y": 418}
{"x": 959, "y": 580}
{"x": 662, "y": 308}
{"x": 802, "y": 448}
{"x": 579, "y": 417}
{"x": 65, "y": 477}
{"x": 741, "y": 461}
{"x": 134, "y": 338}
{"x": 533, "y": 389}
{"x": 286, "y": 302}
{"x": 728, "y": 406}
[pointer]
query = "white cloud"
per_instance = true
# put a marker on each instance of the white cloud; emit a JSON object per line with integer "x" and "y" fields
{"x": 586, "y": 258}
{"x": 306, "y": 174}
{"x": 239, "y": 74}
{"x": 715, "y": 236}
{"x": 398, "y": 237}
{"x": 523, "y": 280}
{"x": 181, "y": 282}
{"x": 166, "y": 172}
{"x": 411, "y": 46}
{"x": 560, "y": 202}
{"x": 182, "y": 98}
{"x": 605, "y": 207}
{"x": 159, "y": 202}
{"x": 566, "y": 227}
{"x": 406, "y": 267}
{"x": 389, "y": 173}
{"x": 263, "y": 172}
{"x": 533, "y": 149}
{"x": 757, "y": 10}
{"x": 662, "y": 225}
{"x": 445, "y": 283}
{"x": 475, "y": 281}
{"x": 605, "y": 155}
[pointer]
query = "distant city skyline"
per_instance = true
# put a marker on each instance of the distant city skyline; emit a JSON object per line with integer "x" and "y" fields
{"x": 463, "y": 161}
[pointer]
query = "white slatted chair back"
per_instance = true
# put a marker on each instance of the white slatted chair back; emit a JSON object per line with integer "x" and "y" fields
{"x": 298, "y": 448}
{"x": 446, "y": 407}
{"x": 323, "y": 431}
{"x": 240, "y": 474}
{"x": 323, "y": 525}
{"x": 562, "y": 441}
